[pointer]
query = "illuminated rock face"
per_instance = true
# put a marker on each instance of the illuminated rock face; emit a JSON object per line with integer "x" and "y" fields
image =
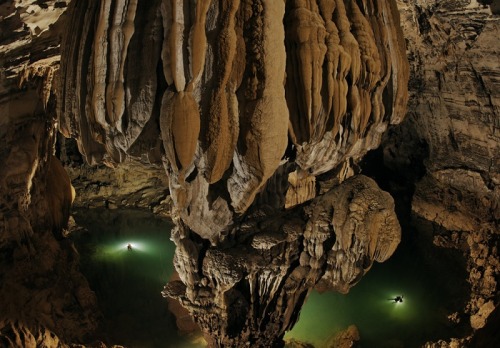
{"x": 255, "y": 107}
{"x": 226, "y": 87}
{"x": 454, "y": 110}
{"x": 249, "y": 289}
{"x": 246, "y": 103}
{"x": 258, "y": 110}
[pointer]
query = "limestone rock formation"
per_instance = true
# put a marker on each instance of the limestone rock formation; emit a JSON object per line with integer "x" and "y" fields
{"x": 452, "y": 129}
{"x": 42, "y": 291}
{"x": 258, "y": 111}
{"x": 222, "y": 111}
{"x": 249, "y": 289}
{"x": 41, "y": 284}
{"x": 248, "y": 98}
{"x": 16, "y": 334}
{"x": 366, "y": 230}
{"x": 455, "y": 110}
{"x": 133, "y": 184}
{"x": 345, "y": 339}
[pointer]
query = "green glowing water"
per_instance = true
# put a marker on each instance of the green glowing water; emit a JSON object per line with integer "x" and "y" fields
{"x": 128, "y": 285}
{"x": 128, "y": 282}
{"x": 433, "y": 286}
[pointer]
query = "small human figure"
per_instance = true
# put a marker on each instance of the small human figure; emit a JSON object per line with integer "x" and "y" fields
{"x": 397, "y": 299}
{"x": 129, "y": 246}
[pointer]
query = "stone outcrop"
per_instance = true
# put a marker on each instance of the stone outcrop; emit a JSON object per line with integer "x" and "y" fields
{"x": 345, "y": 339}
{"x": 249, "y": 289}
{"x": 224, "y": 117}
{"x": 44, "y": 299}
{"x": 15, "y": 334}
{"x": 452, "y": 125}
{"x": 41, "y": 284}
{"x": 133, "y": 184}
{"x": 455, "y": 109}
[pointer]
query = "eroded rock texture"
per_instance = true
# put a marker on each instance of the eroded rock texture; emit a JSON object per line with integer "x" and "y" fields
{"x": 41, "y": 287}
{"x": 213, "y": 81}
{"x": 246, "y": 103}
{"x": 258, "y": 110}
{"x": 42, "y": 292}
{"x": 455, "y": 110}
{"x": 453, "y": 124}
{"x": 249, "y": 289}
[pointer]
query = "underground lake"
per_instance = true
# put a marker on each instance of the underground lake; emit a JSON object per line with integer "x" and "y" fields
{"x": 128, "y": 284}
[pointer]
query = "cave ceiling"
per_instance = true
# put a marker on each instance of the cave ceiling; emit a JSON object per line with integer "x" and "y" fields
{"x": 253, "y": 118}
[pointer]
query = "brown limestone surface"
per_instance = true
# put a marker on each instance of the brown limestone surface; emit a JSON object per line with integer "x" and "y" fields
{"x": 44, "y": 299}
{"x": 455, "y": 109}
{"x": 41, "y": 285}
{"x": 231, "y": 85}
{"x": 257, "y": 109}
{"x": 249, "y": 289}
{"x": 15, "y": 334}
{"x": 453, "y": 123}
{"x": 346, "y": 78}
{"x": 133, "y": 184}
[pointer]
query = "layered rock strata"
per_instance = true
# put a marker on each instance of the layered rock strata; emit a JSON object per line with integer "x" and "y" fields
{"x": 453, "y": 122}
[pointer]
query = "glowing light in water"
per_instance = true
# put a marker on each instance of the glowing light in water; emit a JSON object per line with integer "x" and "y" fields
{"x": 118, "y": 249}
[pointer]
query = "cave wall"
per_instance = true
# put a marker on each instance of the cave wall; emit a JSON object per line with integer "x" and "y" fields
{"x": 255, "y": 120}
{"x": 44, "y": 299}
{"x": 454, "y": 108}
{"x": 451, "y": 136}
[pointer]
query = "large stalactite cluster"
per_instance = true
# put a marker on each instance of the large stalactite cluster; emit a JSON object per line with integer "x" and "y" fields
{"x": 246, "y": 103}
{"x": 258, "y": 110}
{"x": 227, "y": 86}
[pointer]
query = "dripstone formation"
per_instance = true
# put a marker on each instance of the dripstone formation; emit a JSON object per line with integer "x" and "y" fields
{"x": 246, "y": 103}
{"x": 254, "y": 114}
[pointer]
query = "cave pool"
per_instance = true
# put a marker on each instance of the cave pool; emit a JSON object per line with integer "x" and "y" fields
{"x": 128, "y": 284}
{"x": 431, "y": 280}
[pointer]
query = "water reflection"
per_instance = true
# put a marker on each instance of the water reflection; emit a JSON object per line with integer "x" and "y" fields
{"x": 128, "y": 282}
{"x": 431, "y": 281}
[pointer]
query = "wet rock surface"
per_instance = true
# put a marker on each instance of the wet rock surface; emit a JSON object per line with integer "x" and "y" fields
{"x": 451, "y": 131}
{"x": 253, "y": 115}
{"x": 250, "y": 288}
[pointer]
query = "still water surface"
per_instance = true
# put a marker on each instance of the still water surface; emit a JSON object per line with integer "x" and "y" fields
{"x": 128, "y": 285}
{"x": 431, "y": 281}
{"x": 128, "y": 282}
